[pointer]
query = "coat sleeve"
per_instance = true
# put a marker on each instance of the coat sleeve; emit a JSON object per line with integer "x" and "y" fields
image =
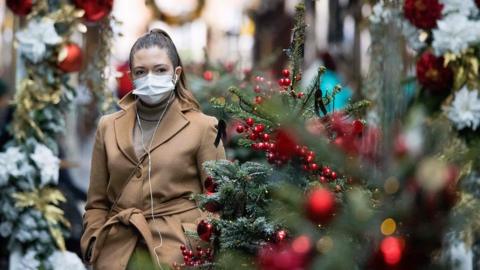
{"x": 97, "y": 205}
{"x": 207, "y": 150}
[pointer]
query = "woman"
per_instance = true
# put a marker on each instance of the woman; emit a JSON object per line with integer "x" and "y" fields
{"x": 147, "y": 162}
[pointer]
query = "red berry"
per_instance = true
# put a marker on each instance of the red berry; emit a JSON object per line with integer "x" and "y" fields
{"x": 260, "y": 145}
{"x": 259, "y": 128}
{"x": 240, "y": 129}
{"x": 250, "y": 121}
{"x": 252, "y": 136}
{"x": 257, "y": 89}
{"x": 300, "y": 95}
{"x": 305, "y": 167}
{"x": 326, "y": 171}
{"x": 266, "y": 137}
{"x": 322, "y": 179}
{"x": 298, "y": 77}
{"x": 313, "y": 166}
{"x": 309, "y": 159}
{"x": 333, "y": 175}
{"x": 258, "y": 78}
{"x": 258, "y": 99}
{"x": 285, "y": 73}
{"x": 281, "y": 82}
{"x": 287, "y": 82}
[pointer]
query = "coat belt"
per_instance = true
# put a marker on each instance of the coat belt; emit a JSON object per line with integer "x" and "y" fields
{"x": 138, "y": 219}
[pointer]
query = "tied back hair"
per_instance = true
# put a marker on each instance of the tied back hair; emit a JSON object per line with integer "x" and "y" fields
{"x": 159, "y": 38}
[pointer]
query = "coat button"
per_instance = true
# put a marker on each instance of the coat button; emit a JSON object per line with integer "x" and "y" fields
{"x": 139, "y": 173}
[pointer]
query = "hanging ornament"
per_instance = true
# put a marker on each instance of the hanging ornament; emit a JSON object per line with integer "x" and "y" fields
{"x": 320, "y": 205}
{"x": 432, "y": 74}
{"x": 95, "y": 10}
{"x": 205, "y": 230}
{"x": 124, "y": 82}
{"x": 210, "y": 185}
{"x": 20, "y": 7}
{"x": 391, "y": 249}
{"x": 208, "y": 75}
{"x": 70, "y": 58}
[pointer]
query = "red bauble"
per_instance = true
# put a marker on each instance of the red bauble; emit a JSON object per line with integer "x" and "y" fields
{"x": 432, "y": 74}
{"x": 95, "y": 10}
{"x": 124, "y": 83}
{"x": 320, "y": 205}
{"x": 20, "y": 7}
{"x": 285, "y": 73}
{"x": 210, "y": 185}
{"x": 70, "y": 58}
{"x": 240, "y": 129}
{"x": 208, "y": 75}
{"x": 391, "y": 249}
{"x": 285, "y": 143}
{"x": 205, "y": 230}
{"x": 259, "y": 128}
{"x": 423, "y": 13}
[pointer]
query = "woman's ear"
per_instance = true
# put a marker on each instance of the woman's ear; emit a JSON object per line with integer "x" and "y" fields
{"x": 178, "y": 72}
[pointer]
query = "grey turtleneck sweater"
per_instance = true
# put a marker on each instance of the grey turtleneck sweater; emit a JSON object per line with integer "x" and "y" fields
{"x": 149, "y": 116}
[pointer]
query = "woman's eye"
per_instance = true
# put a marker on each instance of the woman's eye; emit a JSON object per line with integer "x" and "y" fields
{"x": 138, "y": 72}
{"x": 160, "y": 70}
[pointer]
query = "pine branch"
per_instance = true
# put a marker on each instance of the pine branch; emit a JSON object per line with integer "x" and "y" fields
{"x": 296, "y": 50}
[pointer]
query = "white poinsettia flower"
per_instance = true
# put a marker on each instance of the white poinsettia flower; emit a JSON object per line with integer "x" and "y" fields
{"x": 25, "y": 261}
{"x": 47, "y": 162}
{"x": 65, "y": 260}
{"x": 9, "y": 164}
{"x": 455, "y": 33}
{"x": 465, "y": 7}
{"x": 33, "y": 39}
{"x": 465, "y": 109}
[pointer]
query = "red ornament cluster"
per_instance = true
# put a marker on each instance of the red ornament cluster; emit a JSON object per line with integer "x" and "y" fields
{"x": 423, "y": 14}
{"x": 320, "y": 205}
{"x": 285, "y": 81}
{"x": 433, "y": 75}
{"x": 190, "y": 258}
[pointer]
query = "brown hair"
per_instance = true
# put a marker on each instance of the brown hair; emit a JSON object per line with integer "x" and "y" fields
{"x": 160, "y": 38}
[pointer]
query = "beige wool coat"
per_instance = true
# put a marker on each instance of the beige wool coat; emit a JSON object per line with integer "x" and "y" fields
{"x": 118, "y": 212}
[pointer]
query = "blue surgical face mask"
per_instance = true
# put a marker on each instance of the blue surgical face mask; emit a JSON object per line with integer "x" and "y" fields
{"x": 152, "y": 88}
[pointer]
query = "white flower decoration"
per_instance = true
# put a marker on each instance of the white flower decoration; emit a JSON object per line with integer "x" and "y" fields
{"x": 380, "y": 13}
{"x": 9, "y": 164}
{"x": 455, "y": 33}
{"x": 465, "y": 7}
{"x": 65, "y": 260}
{"x": 47, "y": 162}
{"x": 465, "y": 109}
{"x": 24, "y": 262}
{"x": 34, "y": 38}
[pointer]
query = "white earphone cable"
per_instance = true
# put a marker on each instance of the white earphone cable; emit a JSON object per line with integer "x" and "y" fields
{"x": 150, "y": 169}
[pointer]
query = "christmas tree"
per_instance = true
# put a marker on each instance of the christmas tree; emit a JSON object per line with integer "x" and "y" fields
{"x": 334, "y": 192}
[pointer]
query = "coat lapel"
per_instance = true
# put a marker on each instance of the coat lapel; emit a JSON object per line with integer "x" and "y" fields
{"x": 124, "y": 125}
{"x": 173, "y": 122}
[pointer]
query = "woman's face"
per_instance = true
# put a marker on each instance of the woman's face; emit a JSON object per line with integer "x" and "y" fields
{"x": 154, "y": 60}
